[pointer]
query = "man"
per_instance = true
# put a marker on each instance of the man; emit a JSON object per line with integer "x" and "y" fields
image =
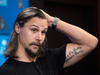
{"x": 28, "y": 40}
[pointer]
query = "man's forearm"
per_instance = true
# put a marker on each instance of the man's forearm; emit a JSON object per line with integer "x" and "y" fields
{"x": 76, "y": 34}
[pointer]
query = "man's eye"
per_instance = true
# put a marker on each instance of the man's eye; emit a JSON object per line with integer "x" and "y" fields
{"x": 34, "y": 30}
{"x": 44, "y": 32}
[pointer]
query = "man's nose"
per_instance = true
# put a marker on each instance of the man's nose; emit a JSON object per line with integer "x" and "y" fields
{"x": 39, "y": 37}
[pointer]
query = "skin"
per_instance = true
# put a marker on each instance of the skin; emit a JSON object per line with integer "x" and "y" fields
{"x": 33, "y": 31}
{"x": 82, "y": 42}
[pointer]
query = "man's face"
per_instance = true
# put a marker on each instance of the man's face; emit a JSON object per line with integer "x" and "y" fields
{"x": 32, "y": 35}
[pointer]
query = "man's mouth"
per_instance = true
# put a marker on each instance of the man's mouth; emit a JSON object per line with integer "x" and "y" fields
{"x": 35, "y": 44}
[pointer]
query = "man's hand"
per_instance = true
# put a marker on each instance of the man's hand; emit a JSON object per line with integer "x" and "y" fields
{"x": 50, "y": 19}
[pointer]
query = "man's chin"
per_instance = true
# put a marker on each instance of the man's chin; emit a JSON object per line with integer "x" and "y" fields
{"x": 32, "y": 53}
{"x": 36, "y": 48}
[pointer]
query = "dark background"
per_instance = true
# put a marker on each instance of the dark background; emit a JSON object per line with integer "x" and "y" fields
{"x": 82, "y": 13}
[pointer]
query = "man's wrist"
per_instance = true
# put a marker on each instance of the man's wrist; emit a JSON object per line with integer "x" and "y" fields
{"x": 54, "y": 24}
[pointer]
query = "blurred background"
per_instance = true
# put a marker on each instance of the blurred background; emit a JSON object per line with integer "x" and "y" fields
{"x": 82, "y": 13}
{"x": 9, "y": 10}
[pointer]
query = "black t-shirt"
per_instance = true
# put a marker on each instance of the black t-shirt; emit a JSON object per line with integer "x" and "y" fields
{"x": 50, "y": 64}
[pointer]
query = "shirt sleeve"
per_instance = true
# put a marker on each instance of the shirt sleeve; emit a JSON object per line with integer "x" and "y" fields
{"x": 59, "y": 56}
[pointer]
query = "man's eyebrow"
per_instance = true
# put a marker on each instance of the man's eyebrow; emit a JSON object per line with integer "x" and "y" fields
{"x": 46, "y": 28}
{"x": 35, "y": 26}
{"x": 38, "y": 27}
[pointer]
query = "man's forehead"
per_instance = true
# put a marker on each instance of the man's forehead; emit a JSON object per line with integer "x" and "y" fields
{"x": 37, "y": 22}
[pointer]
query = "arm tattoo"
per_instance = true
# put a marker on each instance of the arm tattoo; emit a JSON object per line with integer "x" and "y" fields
{"x": 74, "y": 52}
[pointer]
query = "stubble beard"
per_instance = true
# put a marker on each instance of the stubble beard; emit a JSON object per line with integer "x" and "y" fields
{"x": 32, "y": 54}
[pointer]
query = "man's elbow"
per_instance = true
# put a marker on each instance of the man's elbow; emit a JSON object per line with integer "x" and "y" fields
{"x": 94, "y": 43}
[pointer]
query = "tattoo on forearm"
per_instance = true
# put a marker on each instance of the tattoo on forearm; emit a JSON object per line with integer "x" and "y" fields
{"x": 74, "y": 52}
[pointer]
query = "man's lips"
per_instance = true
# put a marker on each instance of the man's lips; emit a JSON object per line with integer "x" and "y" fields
{"x": 35, "y": 45}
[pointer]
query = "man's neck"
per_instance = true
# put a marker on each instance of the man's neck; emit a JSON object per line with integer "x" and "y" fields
{"x": 26, "y": 59}
{"x": 23, "y": 56}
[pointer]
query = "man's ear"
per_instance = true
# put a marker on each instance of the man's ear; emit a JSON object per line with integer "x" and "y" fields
{"x": 17, "y": 28}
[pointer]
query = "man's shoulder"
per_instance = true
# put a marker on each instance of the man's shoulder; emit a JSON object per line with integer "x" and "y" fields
{"x": 53, "y": 49}
{"x": 56, "y": 50}
{"x": 6, "y": 66}
{"x": 50, "y": 49}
